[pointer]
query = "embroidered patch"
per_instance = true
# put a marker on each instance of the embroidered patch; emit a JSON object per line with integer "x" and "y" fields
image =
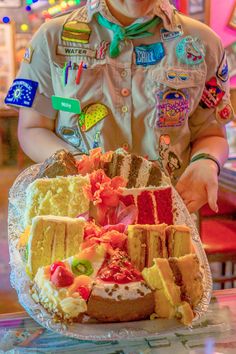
{"x": 190, "y": 51}
{"x": 28, "y": 55}
{"x": 149, "y": 54}
{"x": 75, "y": 51}
{"x": 173, "y": 108}
{"x": 66, "y": 104}
{"x": 223, "y": 70}
{"x": 22, "y": 93}
{"x": 224, "y": 113}
{"x": 177, "y": 76}
{"x": 96, "y": 141}
{"x": 74, "y": 31}
{"x": 101, "y": 50}
{"x": 168, "y": 159}
{"x": 71, "y": 135}
{"x": 167, "y": 35}
{"x": 91, "y": 115}
{"x": 212, "y": 94}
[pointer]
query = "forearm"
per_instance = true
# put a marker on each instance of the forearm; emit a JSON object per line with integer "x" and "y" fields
{"x": 40, "y": 143}
{"x": 213, "y": 145}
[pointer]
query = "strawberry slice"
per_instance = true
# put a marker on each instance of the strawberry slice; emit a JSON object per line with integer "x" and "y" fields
{"x": 84, "y": 292}
{"x": 62, "y": 277}
{"x": 55, "y": 265}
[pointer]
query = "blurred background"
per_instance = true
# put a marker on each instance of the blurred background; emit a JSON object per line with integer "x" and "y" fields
{"x": 19, "y": 19}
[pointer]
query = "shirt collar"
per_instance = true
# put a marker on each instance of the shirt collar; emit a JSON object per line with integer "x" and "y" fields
{"x": 162, "y": 9}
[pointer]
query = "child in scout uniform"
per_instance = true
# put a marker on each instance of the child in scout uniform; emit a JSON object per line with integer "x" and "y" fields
{"x": 133, "y": 74}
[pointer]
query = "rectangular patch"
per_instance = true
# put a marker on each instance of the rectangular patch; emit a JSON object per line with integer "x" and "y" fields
{"x": 22, "y": 93}
{"x": 76, "y": 51}
{"x": 66, "y": 104}
{"x": 167, "y": 35}
{"x": 149, "y": 54}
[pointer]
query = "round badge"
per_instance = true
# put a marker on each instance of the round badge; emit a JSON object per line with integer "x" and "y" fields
{"x": 224, "y": 113}
{"x": 190, "y": 51}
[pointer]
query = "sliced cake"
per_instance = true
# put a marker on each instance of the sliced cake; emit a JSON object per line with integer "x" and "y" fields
{"x": 60, "y": 196}
{"x": 120, "y": 293}
{"x": 178, "y": 240}
{"x": 62, "y": 163}
{"x": 138, "y": 171}
{"x": 146, "y": 242}
{"x": 53, "y": 238}
{"x": 154, "y": 205}
{"x": 64, "y": 287}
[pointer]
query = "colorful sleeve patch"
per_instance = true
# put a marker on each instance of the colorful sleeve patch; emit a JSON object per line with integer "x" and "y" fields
{"x": 190, "y": 51}
{"x": 149, "y": 54}
{"x": 173, "y": 108}
{"x": 224, "y": 113}
{"x": 22, "y": 93}
{"x": 223, "y": 70}
{"x": 212, "y": 94}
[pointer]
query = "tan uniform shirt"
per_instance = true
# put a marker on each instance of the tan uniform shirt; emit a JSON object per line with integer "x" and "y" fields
{"x": 154, "y": 99}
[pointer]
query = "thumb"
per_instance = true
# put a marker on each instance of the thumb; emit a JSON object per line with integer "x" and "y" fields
{"x": 212, "y": 195}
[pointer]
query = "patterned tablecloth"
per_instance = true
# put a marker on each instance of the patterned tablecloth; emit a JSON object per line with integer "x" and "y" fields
{"x": 215, "y": 334}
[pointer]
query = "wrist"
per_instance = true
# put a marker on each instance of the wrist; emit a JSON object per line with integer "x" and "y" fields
{"x": 209, "y": 157}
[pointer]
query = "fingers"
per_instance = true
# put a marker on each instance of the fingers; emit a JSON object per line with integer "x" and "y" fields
{"x": 194, "y": 206}
{"x": 212, "y": 195}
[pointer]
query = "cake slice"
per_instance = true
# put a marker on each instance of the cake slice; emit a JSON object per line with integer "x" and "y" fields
{"x": 63, "y": 288}
{"x": 146, "y": 242}
{"x": 188, "y": 276}
{"x": 62, "y": 163}
{"x": 60, "y": 196}
{"x": 138, "y": 171}
{"x": 178, "y": 240}
{"x": 53, "y": 238}
{"x": 168, "y": 297}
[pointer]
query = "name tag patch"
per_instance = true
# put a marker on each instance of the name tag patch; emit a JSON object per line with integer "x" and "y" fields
{"x": 173, "y": 108}
{"x": 149, "y": 54}
{"x": 167, "y": 35}
{"x": 75, "y": 51}
{"x": 22, "y": 93}
{"x": 66, "y": 104}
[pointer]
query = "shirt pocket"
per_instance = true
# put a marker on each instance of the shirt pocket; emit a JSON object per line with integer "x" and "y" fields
{"x": 177, "y": 93}
{"x": 88, "y": 89}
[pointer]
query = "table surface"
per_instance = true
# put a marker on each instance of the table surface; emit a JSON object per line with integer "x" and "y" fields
{"x": 214, "y": 334}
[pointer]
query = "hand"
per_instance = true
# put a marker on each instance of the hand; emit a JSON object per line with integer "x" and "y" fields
{"x": 198, "y": 185}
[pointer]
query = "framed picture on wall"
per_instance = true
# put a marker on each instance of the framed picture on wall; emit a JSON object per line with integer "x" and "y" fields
{"x": 232, "y": 19}
{"x": 196, "y": 7}
{"x": 7, "y": 59}
{"x": 10, "y": 3}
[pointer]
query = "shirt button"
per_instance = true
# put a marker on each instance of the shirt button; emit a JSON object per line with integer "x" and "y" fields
{"x": 125, "y": 146}
{"x": 124, "y": 109}
{"x": 125, "y": 92}
{"x": 123, "y": 73}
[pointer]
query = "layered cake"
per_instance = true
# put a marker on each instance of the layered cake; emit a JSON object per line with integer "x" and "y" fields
{"x": 60, "y": 196}
{"x": 64, "y": 287}
{"x": 53, "y": 238}
{"x": 154, "y": 205}
{"x": 178, "y": 240}
{"x": 120, "y": 293}
{"x": 138, "y": 171}
{"x": 62, "y": 163}
{"x": 177, "y": 290}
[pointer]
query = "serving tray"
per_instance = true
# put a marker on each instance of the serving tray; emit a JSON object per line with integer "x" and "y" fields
{"x": 91, "y": 330}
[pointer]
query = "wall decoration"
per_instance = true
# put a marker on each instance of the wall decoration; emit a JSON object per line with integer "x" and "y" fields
{"x": 196, "y": 7}
{"x": 10, "y": 3}
{"x": 7, "y": 59}
{"x": 232, "y": 18}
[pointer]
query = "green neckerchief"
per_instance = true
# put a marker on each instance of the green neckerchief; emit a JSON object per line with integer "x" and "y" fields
{"x": 138, "y": 30}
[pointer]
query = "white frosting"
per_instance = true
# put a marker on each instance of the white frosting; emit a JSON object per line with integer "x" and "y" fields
{"x": 143, "y": 174}
{"x": 57, "y": 299}
{"x": 129, "y": 291}
{"x": 125, "y": 167}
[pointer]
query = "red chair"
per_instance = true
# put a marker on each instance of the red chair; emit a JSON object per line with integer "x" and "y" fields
{"x": 218, "y": 235}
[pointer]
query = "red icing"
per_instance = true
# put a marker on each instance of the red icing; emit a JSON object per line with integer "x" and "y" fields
{"x": 119, "y": 269}
{"x": 163, "y": 199}
{"x": 146, "y": 208}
